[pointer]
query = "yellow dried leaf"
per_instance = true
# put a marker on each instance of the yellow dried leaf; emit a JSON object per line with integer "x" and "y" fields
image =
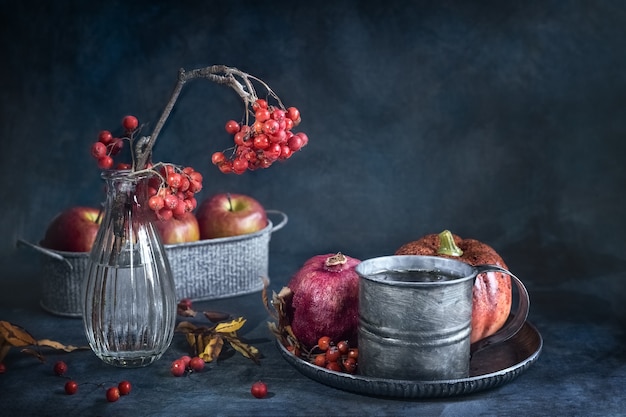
{"x": 15, "y": 335}
{"x": 246, "y": 350}
{"x": 231, "y": 326}
{"x": 212, "y": 349}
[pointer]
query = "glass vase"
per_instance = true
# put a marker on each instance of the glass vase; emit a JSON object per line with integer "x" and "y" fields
{"x": 129, "y": 309}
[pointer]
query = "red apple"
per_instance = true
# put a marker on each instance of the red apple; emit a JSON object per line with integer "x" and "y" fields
{"x": 73, "y": 230}
{"x": 178, "y": 230}
{"x": 225, "y": 214}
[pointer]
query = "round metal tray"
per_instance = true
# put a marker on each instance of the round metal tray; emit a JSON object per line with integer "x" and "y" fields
{"x": 489, "y": 368}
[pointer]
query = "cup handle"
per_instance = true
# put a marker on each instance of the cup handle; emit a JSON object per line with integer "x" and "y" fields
{"x": 518, "y": 319}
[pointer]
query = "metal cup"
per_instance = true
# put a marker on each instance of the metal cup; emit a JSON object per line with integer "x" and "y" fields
{"x": 415, "y": 317}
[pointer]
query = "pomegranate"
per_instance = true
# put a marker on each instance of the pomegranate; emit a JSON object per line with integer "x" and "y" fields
{"x": 325, "y": 299}
{"x": 492, "y": 294}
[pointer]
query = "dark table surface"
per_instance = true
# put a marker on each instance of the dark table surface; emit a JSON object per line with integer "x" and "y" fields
{"x": 581, "y": 369}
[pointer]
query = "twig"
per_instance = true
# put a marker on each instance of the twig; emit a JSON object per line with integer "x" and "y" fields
{"x": 219, "y": 74}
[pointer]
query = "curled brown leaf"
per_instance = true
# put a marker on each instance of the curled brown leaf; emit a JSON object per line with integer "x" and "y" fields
{"x": 15, "y": 335}
{"x": 216, "y": 316}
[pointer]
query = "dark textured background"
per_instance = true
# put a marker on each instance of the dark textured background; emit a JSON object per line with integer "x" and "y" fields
{"x": 501, "y": 121}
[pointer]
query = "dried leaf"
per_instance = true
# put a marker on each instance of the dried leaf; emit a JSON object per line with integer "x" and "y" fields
{"x": 212, "y": 349}
{"x": 246, "y": 350}
{"x": 59, "y": 346}
{"x": 15, "y": 335}
{"x": 284, "y": 336}
{"x": 34, "y": 353}
{"x": 266, "y": 301}
{"x": 208, "y": 342}
{"x": 12, "y": 335}
{"x": 272, "y": 326}
{"x": 285, "y": 293}
{"x": 216, "y": 316}
{"x": 231, "y": 326}
{"x": 185, "y": 327}
{"x": 282, "y": 330}
{"x": 4, "y": 349}
{"x": 201, "y": 342}
{"x": 280, "y": 302}
{"x": 191, "y": 339}
{"x": 289, "y": 332}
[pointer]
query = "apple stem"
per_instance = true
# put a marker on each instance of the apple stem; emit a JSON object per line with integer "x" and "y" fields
{"x": 447, "y": 246}
{"x": 100, "y": 212}
{"x": 230, "y": 202}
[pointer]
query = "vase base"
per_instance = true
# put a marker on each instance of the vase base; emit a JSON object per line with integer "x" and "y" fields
{"x": 129, "y": 359}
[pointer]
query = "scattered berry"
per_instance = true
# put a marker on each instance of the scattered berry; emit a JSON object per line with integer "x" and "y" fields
{"x": 113, "y": 394}
{"x": 186, "y": 360}
{"x": 259, "y": 389}
{"x": 124, "y": 387}
{"x": 71, "y": 387}
{"x": 60, "y": 368}
{"x": 196, "y": 364}
{"x": 3, "y": 368}
{"x": 178, "y": 368}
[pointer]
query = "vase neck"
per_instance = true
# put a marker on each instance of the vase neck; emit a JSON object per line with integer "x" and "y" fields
{"x": 126, "y": 187}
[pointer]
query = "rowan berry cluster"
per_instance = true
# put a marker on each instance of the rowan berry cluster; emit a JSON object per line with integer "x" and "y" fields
{"x": 339, "y": 357}
{"x": 258, "y": 142}
{"x": 109, "y": 146}
{"x": 171, "y": 189}
{"x": 172, "y": 192}
{"x": 267, "y": 139}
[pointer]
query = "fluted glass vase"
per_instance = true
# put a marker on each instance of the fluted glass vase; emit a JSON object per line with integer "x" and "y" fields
{"x": 129, "y": 309}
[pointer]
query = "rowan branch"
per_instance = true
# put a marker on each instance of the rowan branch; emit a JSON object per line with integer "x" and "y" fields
{"x": 234, "y": 78}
